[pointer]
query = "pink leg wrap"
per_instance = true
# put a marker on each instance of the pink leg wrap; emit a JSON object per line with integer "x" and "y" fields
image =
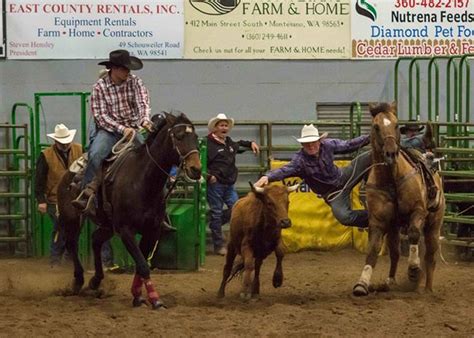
{"x": 150, "y": 289}
{"x": 137, "y": 286}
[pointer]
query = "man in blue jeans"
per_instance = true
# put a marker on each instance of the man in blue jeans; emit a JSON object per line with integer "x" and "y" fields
{"x": 222, "y": 174}
{"x": 315, "y": 164}
{"x": 120, "y": 105}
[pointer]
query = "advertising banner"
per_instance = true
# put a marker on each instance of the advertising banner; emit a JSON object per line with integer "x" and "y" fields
{"x": 422, "y": 28}
{"x": 72, "y": 29}
{"x": 267, "y": 29}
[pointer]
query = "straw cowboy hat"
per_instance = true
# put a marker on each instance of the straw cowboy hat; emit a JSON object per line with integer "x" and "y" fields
{"x": 414, "y": 127}
{"x": 310, "y": 133}
{"x": 220, "y": 117}
{"x": 122, "y": 58}
{"x": 62, "y": 134}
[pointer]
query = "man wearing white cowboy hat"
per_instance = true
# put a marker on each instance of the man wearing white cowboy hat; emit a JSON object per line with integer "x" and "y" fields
{"x": 120, "y": 105}
{"x": 222, "y": 174}
{"x": 51, "y": 165}
{"x": 315, "y": 164}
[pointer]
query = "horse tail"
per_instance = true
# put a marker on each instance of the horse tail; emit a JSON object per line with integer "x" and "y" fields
{"x": 237, "y": 270}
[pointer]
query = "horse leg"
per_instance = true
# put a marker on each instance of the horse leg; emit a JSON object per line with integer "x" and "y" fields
{"x": 72, "y": 246}
{"x": 361, "y": 288}
{"x": 431, "y": 233}
{"x": 278, "y": 273}
{"x": 147, "y": 244}
{"x": 417, "y": 220}
{"x": 393, "y": 242}
{"x": 256, "y": 277}
{"x": 229, "y": 262}
{"x": 249, "y": 267}
{"x": 142, "y": 269}
{"x": 99, "y": 236}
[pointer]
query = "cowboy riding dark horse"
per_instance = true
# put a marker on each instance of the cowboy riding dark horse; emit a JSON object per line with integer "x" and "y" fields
{"x": 135, "y": 200}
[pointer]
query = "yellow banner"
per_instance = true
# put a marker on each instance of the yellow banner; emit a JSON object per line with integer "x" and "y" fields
{"x": 267, "y": 29}
{"x": 313, "y": 224}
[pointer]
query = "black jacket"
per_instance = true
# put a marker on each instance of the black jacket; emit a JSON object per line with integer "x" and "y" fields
{"x": 221, "y": 158}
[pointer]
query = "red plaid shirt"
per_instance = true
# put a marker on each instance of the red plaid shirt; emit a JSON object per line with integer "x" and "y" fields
{"x": 116, "y": 107}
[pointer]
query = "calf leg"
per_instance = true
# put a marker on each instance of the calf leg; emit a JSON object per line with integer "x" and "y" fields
{"x": 278, "y": 273}
{"x": 256, "y": 278}
{"x": 249, "y": 267}
{"x": 229, "y": 262}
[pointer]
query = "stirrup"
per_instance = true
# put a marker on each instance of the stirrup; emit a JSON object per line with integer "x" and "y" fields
{"x": 167, "y": 227}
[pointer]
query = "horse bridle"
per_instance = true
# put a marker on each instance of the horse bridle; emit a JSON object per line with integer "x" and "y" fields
{"x": 189, "y": 129}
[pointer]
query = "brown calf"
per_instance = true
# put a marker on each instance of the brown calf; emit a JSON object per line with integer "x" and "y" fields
{"x": 255, "y": 232}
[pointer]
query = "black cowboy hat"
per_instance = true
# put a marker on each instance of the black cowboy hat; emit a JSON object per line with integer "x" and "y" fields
{"x": 122, "y": 58}
{"x": 414, "y": 127}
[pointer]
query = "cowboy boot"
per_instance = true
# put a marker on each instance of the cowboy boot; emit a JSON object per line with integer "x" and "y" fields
{"x": 85, "y": 201}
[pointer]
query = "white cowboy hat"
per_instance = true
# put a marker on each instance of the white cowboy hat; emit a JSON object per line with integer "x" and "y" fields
{"x": 220, "y": 117}
{"x": 62, "y": 134}
{"x": 310, "y": 133}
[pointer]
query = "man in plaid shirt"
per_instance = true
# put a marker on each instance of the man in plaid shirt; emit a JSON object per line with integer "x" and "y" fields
{"x": 120, "y": 105}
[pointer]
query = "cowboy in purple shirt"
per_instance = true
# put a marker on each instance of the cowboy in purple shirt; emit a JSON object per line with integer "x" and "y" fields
{"x": 315, "y": 164}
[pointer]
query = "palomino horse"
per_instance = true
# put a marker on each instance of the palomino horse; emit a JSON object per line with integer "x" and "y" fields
{"x": 137, "y": 202}
{"x": 396, "y": 198}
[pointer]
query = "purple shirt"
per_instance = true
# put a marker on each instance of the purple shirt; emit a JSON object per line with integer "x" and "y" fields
{"x": 319, "y": 171}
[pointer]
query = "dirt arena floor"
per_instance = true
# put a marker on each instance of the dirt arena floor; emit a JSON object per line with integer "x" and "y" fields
{"x": 315, "y": 300}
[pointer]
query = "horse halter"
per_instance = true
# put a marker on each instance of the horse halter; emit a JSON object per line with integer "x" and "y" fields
{"x": 189, "y": 129}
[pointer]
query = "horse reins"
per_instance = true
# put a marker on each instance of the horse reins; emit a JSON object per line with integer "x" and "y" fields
{"x": 189, "y": 129}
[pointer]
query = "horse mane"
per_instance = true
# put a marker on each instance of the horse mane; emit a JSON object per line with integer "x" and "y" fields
{"x": 381, "y": 108}
{"x": 164, "y": 121}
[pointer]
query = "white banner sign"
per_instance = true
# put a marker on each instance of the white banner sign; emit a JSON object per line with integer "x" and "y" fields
{"x": 2, "y": 33}
{"x": 267, "y": 29}
{"x": 72, "y": 29}
{"x": 423, "y": 28}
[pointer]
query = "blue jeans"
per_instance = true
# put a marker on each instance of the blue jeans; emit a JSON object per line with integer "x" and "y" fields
{"x": 58, "y": 240}
{"x": 340, "y": 203}
{"x": 217, "y": 195}
{"x": 101, "y": 143}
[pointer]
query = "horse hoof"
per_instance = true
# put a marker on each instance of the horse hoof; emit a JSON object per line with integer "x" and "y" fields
{"x": 360, "y": 290}
{"x": 156, "y": 304}
{"x": 277, "y": 281}
{"x": 138, "y": 301}
{"x": 94, "y": 283}
{"x": 245, "y": 296}
{"x": 220, "y": 294}
{"x": 76, "y": 288}
{"x": 414, "y": 273}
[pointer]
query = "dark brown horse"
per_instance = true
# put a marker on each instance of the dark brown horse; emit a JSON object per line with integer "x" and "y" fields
{"x": 137, "y": 202}
{"x": 397, "y": 198}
